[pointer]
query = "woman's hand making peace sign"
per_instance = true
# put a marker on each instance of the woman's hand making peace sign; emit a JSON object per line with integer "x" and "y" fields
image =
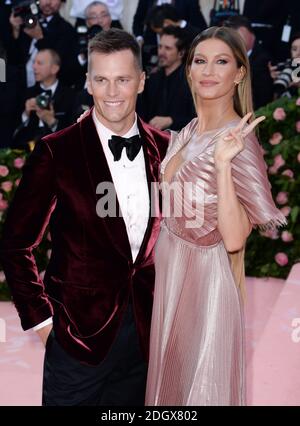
{"x": 230, "y": 144}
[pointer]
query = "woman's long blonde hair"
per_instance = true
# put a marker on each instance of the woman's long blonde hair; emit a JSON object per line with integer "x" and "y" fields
{"x": 242, "y": 99}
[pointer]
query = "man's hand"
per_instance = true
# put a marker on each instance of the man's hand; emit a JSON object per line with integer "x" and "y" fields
{"x": 273, "y": 70}
{"x": 30, "y": 105}
{"x": 44, "y": 333}
{"x": 46, "y": 115}
{"x": 161, "y": 123}
{"x": 36, "y": 32}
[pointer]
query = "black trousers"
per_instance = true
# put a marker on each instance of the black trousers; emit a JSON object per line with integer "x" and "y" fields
{"x": 119, "y": 380}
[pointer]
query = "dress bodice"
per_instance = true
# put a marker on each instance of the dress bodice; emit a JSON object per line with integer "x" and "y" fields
{"x": 190, "y": 194}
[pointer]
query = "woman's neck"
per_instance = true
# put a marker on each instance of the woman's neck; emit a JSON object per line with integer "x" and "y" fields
{"x": 213, "y": 114}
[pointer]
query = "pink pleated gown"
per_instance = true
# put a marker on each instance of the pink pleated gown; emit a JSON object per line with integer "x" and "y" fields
{"x": 196, "y": 345}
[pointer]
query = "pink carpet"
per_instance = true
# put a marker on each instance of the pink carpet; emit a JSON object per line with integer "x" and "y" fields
{"x": 272, "y": 347}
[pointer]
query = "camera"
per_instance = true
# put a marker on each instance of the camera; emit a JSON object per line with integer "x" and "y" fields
{"x": 29, "y": 11}
{"x": 84, "y": 35}
{"x": 43, "y": 100}
{"x": 285, "y": 78}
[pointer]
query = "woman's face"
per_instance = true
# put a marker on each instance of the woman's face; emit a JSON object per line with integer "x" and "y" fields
{"x": 295, "y": 49}
{"x": 214, "y": 70}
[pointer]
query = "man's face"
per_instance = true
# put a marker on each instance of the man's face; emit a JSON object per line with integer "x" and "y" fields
{"x": 49, "y": 7}
{"x": 114, "y": 80}
{"x": 168, "y": 54}
{"x": 98, "y": 15}
{"x": 295, "y": 49}
{"x": 43, "y": 67}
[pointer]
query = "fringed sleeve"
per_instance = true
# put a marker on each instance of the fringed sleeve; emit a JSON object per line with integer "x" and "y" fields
{"x": 249, "y": 172}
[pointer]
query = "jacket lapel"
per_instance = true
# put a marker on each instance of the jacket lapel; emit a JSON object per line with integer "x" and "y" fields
{"x": 152, "y": 163}
{"x": 98, "y": 171}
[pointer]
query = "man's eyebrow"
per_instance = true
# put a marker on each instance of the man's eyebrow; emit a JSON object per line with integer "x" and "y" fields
{"x": 118, "y": 76}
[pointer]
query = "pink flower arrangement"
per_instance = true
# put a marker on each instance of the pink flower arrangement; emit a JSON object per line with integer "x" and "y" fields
{"x": 276, "y": 138}
{"x": 281, "y": 259}
{"x": 278, "y": 162}
{"x": 17, "y": 181}
{"x": 2, "y": 277}
{"x": 272, "y": 170}
{"x": 3, "y": 171}
{"x": 7, "y": 185}
{"x": 279, "y": 114}
{"x": 270, "y": 233}
{"x": 289, "y": 173}
{"x": 19, "y": 162}
{"x": 3, "y": 205}
{"x": 286, "y": 210}
{"x": 287, "y": 237}
{"x": 282, "y": 197}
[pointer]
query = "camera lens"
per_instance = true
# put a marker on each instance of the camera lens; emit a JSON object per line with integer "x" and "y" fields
{"x": 43, "y": 100}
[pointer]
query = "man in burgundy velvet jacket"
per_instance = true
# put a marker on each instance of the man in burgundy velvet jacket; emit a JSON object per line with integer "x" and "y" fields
{"x": 93, "y": 308}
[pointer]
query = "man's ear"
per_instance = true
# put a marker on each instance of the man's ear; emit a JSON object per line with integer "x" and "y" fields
{"x": 142, "y": 82}
{"x": 55, "y": 68}
{"x": 88, "y": 84}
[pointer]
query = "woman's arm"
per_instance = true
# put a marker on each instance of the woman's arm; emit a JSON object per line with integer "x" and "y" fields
{"x": 233, "y": 222}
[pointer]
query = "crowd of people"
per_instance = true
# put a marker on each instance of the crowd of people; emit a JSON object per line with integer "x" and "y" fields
{"x": 46, "y": 55}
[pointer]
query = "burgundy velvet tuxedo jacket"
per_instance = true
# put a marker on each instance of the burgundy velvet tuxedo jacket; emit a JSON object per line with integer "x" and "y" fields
{"x": 91, "y": 275}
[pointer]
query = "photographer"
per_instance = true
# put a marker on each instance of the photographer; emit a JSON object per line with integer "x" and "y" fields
{"x": 48, "y": 105}
{"x": 39, "y": 27}
{"x": 282, "y": 73}
{"x": 97, "y": 18}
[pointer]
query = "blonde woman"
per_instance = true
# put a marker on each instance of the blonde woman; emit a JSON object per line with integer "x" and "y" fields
{"x": 196, "y": 345}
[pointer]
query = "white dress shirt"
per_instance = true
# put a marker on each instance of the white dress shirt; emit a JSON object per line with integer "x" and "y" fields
{"x": 130, "y": 181}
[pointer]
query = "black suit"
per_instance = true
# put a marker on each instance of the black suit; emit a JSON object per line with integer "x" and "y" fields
{"x": 5, "y": 30}
{"x": 168, "y": 96}
{"x": 188, "y": 10}
{"x": 10, "y": 93}
{"x": 275, "y": 13}
{"x": 262, "y": 83}
{"x": 63, "y": 101}
{"x": 58, "y": 35}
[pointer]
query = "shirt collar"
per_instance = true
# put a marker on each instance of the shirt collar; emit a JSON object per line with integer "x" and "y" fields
{"x": 105, "y": 133}
{"x": 52, "y": 87}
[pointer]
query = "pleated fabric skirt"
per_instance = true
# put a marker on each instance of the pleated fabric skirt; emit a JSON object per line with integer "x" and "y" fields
{"x": 197, "y": 343}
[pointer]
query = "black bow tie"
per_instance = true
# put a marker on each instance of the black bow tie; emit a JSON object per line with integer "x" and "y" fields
{"x": 132, "y": 145}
